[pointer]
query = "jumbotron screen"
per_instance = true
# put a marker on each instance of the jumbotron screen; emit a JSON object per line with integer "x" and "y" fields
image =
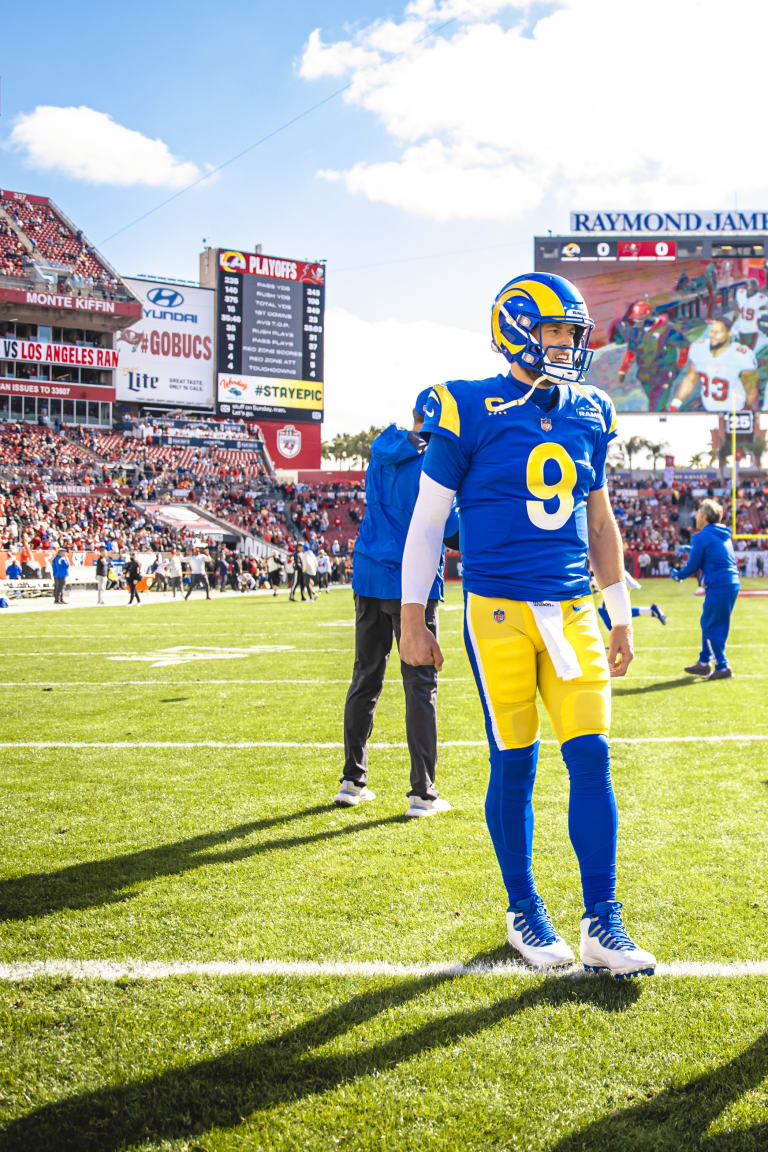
{"x": 270, "y": 336}
{"x": 681, "y": 324}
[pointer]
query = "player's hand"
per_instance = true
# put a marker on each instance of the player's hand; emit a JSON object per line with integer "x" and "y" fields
{"x": 675, "y": 575}
{"x": 417, "y": 644}
{"x": 620, "y": 650}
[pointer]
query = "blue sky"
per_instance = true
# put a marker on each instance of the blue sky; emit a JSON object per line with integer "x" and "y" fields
{"x": 422, "y": 187}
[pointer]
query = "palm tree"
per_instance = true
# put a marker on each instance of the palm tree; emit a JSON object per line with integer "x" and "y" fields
{"x": 757, "y": 447}
{"x": 336, "y": 449}
{"x": 655, "y": 451}
{"x": 616, "y": 457}
{"x": 721, "y": 454}
{"x": 697, "y": 460}
{"x": 633, "y": 447}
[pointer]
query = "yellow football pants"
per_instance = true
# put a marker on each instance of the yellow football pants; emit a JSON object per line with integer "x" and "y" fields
{"x": 509, "y": 662}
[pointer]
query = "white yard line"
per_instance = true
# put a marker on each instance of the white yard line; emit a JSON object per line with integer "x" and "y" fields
{"x": 111, "y": 970}
{"x": 749, "y": 737}
{"x": 163, "y": 683}
{"x": 658, "y": 677}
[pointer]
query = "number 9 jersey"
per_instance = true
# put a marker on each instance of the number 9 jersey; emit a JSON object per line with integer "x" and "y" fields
{"x": 522, "y": 477}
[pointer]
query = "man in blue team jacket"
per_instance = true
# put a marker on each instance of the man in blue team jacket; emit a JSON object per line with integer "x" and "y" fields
{"x": 391, "y": 488}
{"x": 712, "y": 553}
{"x": 60, "y": 569}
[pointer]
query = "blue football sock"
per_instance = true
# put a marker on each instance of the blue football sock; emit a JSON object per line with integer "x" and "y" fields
{"x": 509, "y": 813}
{"x": 592, "y": 816}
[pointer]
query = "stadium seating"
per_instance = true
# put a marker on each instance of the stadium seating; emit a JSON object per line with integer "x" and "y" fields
{"x": 52, "y": 241}
{"x": 236, "y": 486}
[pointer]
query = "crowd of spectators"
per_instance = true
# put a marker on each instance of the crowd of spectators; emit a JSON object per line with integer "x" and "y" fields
{"x": 38, "y": 508}
{"x": 44, "y": 521}
{"x": 55, "y": 244}
{"x": 30, "y": 452}
{"x": 12, "y": 252}
{"x": 176, "y": 466}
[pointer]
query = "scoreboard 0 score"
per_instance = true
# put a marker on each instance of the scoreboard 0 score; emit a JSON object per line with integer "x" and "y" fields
{"x": 578, "y": 251}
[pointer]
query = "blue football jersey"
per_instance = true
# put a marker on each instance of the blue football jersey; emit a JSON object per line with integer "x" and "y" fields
{"x": 522, "y": 477}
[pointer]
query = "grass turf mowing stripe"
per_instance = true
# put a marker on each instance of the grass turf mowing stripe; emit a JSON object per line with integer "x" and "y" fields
{"x": 111, "y": 970}
{"x": 311, "y": 745}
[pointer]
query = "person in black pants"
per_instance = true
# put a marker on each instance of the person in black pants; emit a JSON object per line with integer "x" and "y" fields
{"x": 299, "y": 581}
{"x": 132, "y": 573}
{"x": 102, "y": 569}
{"x": 391, "y": 486}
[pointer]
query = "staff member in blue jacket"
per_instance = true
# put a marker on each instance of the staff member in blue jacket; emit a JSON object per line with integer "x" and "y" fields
{"x": 60, "y": 569}
{"x": 391, "y": 488}
{"x": 712, "y": 553}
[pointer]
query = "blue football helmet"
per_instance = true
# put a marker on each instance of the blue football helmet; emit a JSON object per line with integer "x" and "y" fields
{"x": 525, "y": 303}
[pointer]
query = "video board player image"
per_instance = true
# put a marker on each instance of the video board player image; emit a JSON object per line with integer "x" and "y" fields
{"x": 675, "y": 331}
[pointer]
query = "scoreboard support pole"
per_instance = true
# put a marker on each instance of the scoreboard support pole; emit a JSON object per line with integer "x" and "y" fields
{"x": 738, "y": 535}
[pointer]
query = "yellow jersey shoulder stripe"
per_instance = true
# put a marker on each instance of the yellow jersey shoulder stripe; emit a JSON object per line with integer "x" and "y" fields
{"x": 449, "y": 409}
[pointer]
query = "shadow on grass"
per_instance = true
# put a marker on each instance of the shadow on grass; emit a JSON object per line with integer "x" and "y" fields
{"x": 99, "y": 882}
{"x": 224, "y": 1091}
{"x": 678, "y": 1118}
{"x": 657, "y": 686}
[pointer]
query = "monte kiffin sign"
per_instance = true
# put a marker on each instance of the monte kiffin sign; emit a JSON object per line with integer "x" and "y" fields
{"x": 714, "y": 221}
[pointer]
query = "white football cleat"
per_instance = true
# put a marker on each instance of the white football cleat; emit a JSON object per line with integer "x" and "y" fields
{"x": 606, "y": 945}
{"x": 531, "y": 932}
{"x": 351, "y": 794}
{"x": 419, "y": 807}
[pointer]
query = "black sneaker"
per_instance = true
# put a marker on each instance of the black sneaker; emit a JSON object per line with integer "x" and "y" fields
{"x": 698, "y": 669}
{"x": 721, "y": 674}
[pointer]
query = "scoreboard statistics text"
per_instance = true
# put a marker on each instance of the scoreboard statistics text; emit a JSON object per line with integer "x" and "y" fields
{"x": 270, "y": 336}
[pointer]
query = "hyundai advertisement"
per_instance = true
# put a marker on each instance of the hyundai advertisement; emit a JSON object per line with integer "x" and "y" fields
{"x": 167, "y": 356}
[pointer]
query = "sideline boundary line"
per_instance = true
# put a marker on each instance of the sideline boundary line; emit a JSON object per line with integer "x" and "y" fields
{"x": 718, "y": 739}
{"x": 112, "y": 970}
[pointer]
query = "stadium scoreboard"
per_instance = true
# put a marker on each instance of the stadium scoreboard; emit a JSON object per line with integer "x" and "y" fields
{"x": 270, "y": 336}
{"x": 654, "y": 299}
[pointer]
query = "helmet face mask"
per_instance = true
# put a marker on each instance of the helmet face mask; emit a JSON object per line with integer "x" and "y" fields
{"x": 519, "y": 311}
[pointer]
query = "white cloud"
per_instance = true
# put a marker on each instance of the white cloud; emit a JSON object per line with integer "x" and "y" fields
{"x": 375, "y": 369}
{"x": 88, "y": 145}
{"x": 503, "y": 110}
{"x": 445, "y": 183}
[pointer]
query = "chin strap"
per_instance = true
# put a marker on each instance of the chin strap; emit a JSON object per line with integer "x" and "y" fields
{"x": 552, "y": 380}
{"x": 521, "y": 399}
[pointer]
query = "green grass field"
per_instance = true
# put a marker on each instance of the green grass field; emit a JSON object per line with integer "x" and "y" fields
{"x": 118, "y": 849}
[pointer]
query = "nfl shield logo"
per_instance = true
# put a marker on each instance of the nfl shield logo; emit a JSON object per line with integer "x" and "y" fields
{"x": 546, "y": 424}
{"x": 288, "y": 441}
{"x": 499, "y": 615}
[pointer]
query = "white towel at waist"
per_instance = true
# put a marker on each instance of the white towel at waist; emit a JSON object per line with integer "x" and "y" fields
{"x": 548, "y": 615}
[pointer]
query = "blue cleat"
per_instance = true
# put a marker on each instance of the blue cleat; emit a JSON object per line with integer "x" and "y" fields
{"x": 657, "y": 612}
{"x": 606, "y": 945}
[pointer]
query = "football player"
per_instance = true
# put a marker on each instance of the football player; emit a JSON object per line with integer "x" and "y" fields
{"x": 726, "y": 373}
{"x": 524, "y": 453}
{"x": 659, "y": 350}
{"x": 644, "y": 610}
{"x": 753, "y": 306}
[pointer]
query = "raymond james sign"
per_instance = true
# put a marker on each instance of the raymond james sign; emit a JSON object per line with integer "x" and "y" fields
{"x": 720, "y": 221}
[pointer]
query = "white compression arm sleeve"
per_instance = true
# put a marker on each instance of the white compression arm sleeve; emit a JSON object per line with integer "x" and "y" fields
{"x": 424, "y": 544}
